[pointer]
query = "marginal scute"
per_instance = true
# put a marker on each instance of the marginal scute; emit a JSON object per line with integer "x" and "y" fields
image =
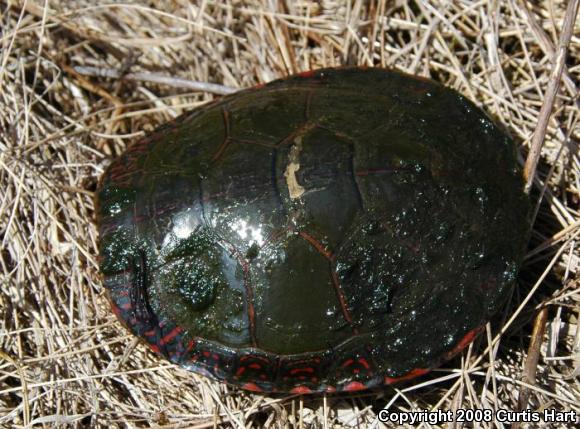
{"x": 331, "y": 231}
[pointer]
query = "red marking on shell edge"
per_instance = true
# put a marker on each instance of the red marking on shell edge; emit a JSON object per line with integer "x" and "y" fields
{"x": 353, "y": 386}
{"x": 252, "y": 387}
{"x": 465, "y": 341}
{"x": 330, "y": 389}
{"x": 364, "y": 363}
{"x": 116, "y": 310}
{"x": 171, "y": 335}
{"x": 408, "y": 376}
{"x": 126, "y": 306}
{"x": 347, "y": 362}
{"x": 154, "y": 348}
{"x": 240, "y": 371}
{"x": 298, "y": 370}
{"x": 260, "y": 358}
{"x": 306, "y": 74}
{"x": 301, "y": 390}
{"x": 150, "y": 333}
{"x": 254, "y": 366}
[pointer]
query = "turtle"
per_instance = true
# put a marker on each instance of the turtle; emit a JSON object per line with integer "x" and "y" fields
{"x": 335, "y": 230}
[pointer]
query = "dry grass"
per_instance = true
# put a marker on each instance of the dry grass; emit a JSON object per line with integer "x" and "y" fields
{"x": 66, "y": 361}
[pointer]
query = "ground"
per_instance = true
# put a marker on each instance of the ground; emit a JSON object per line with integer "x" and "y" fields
{"x": 81, "y": 80}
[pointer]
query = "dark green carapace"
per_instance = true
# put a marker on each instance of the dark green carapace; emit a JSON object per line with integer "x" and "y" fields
{"x": 334, "y": 230}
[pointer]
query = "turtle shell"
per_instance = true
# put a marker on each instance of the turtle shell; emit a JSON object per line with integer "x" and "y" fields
{"x": 332, "y": 231}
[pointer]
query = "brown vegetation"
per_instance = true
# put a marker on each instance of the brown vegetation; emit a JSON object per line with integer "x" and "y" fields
{"x": 80, "y": 80}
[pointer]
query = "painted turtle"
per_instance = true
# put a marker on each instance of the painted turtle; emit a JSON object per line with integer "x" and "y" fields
{"x": 331, "y": 231}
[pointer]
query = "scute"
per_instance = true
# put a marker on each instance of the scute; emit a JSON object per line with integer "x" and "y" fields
{"x": 334, "y": 230}
{"x": 319, "y": 323}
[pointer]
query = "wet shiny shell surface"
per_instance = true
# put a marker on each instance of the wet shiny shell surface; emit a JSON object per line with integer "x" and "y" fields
{"x": 334, "y": 230}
